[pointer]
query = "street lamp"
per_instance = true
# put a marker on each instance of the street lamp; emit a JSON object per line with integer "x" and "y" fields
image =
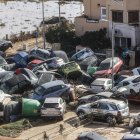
{"x": 44, "y": 43}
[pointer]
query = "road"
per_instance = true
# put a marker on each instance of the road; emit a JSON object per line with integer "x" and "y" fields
{"x": 71, "y": 132}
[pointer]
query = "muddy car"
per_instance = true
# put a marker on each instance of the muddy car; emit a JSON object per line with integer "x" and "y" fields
{"x": 71, "y": 69}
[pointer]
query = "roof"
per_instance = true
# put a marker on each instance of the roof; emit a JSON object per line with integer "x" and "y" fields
{"x": 109, "y": 59}
{"x": 52, "y": 100}
{"x": 87, "y": 96}
{"x": 130, "y": 78}
{"x": 92, "y": 135}
{"x": 36, "y": 61}
{"x": 107, "y": 94}
{"x": 102, "y": 79}
{"x": 110, "y": 101}
{"x": 23, "y": 54}
{"x": 52, "y": 83}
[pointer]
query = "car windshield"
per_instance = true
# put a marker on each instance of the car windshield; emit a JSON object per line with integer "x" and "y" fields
{"x": 40, "y": 90}
{"x": 98, "y": 82}
{"x": 50, "y": 105}
{"x": 122, "y": 106}
{"x": 104, "y": 66}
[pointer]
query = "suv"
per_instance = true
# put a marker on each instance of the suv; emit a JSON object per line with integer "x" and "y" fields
{"x": 53, "y": 107}
{"x": 105, "y": 109}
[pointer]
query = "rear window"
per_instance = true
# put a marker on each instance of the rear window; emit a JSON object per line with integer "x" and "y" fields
{"x": 122, "y": 106}
{"x": 50, "y": 105}
{"x": 98, "y": 82}
{"x": 104, "y": 66}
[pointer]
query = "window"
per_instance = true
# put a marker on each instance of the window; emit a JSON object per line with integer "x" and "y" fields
{"x": 94, "y": 105}
{"x": 117, "y": 16}
{"x": 122, "y": 42}
{"x": 103, "y": 106}
{"x": 103, "y": 12}
{"x": 133, "y": 16}
{"x": 136, "y": 80}
{"x": 23, "y": 84}
{"x": 55, "y": 88}
{"x": 125, "y": 83}
{"x": 114, "y": 107}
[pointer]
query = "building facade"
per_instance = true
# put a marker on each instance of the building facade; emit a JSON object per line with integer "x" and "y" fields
{"x": 122, "y": 16}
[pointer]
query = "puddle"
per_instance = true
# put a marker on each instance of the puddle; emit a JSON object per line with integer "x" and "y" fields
{"x": 26, "y": 16}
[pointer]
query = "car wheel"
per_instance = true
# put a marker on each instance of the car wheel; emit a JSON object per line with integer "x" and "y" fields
{"x": 81, "y": 115}
{"x": 111, "y": 120}
{"x": 62, "y": 117}
{"x": 133, "y": 92}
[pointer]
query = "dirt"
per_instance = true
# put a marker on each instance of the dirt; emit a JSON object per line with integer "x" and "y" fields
{"x": 19, "y": 46}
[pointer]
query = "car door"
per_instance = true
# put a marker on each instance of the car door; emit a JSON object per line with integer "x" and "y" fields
{"x": 94, "y": 109}
{"x": 102, "y": 110}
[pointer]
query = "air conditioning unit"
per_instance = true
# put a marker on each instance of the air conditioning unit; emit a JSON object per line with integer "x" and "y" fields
{"x": 118, "y": 32}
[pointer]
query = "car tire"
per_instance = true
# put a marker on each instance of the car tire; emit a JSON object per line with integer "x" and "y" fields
{"x": 81, "y": 115}
{"x": 111, "y": 120}
{"x": 133, "y": 92}
{"x": 62, "y": 117}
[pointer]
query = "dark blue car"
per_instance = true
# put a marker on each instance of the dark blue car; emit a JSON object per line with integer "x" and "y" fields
{"x": 21, "y": 59}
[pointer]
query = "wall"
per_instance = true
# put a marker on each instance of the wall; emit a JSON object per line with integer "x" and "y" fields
{"x": 127, "y": 31}
{"x": 81, "y": 25}
{"x": 92, "y": 8}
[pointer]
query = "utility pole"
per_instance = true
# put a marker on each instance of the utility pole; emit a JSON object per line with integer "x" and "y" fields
{"x": 112, "y": 54}
{"x": 44, "y": 41}
{"x": 59, "y": 13}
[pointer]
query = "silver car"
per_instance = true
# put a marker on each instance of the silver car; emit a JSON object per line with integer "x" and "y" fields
{"x": 105, "y": 109}
{"x": 53, "y": 107}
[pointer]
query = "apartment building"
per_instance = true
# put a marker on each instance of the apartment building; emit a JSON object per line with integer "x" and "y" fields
{"x": 121, "y": 15}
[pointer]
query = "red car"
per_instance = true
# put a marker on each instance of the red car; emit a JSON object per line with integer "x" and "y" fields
{"x": 33, "y": 63}
{"x": 105, "y": 67}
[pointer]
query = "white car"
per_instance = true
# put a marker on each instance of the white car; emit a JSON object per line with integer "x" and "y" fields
{"x": 136, "y": 71}
{"x": 101, "y": 84}
{"x": 131, "y": 85}
{"x": 81, "y": 55}
{"x": 53, "y": 107}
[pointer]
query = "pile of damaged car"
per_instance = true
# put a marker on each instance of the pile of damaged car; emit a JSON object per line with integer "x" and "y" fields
{"x": 43, "y": 83}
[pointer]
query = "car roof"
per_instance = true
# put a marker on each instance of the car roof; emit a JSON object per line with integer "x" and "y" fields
{"x": 23, "y": 54}
{"x": 52, "y": 100}
{"x": 92, "y": 135}
{"x": 110, "y": 101}
{"x": 107, "y": 60}
{"x": 102, "y": 79}
{"x": 107, "y": 94}
{"x": 52, "y": 83}
{"x": 130, "y": 78}
{"x": 87, "y": 96}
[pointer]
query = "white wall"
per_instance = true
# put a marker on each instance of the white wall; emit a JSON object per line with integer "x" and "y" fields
{"x": 127, "y": 31}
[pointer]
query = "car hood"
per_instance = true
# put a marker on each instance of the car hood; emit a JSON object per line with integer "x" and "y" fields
{"x": 131, "y": 137}
{"x": 84, "y": 106}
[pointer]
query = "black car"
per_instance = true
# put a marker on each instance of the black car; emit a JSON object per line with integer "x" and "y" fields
{"x": 90, "y": 136}
{"x": 17, "y": 84}
{"x": 4, "y": 45}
